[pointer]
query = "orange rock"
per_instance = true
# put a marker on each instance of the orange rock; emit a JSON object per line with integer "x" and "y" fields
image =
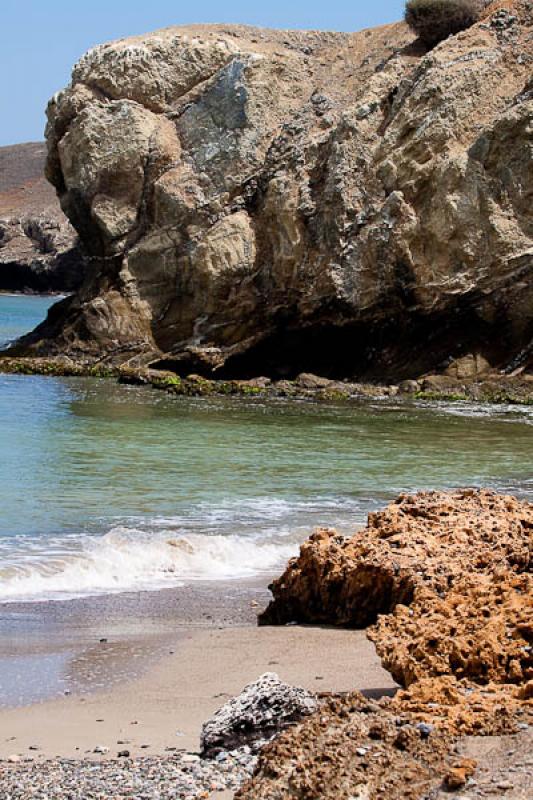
{"x": 447, "y": 573}
{"x": 478, "y": 632}
{"x": 459, "y": 772}
{"x": 432, "y": 540}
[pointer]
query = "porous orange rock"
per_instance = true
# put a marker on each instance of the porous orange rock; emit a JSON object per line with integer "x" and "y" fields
{"x": 459, "y": 773}
{"x": 429, "y": 540}
{"x": 482, "y": 630}
{"x": 447, "y": 575}
{"x": 393, "y": 749}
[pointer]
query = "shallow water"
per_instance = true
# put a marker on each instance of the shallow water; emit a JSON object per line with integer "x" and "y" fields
{"x": 107, "y": 488}
{"x": 21, "y": 313}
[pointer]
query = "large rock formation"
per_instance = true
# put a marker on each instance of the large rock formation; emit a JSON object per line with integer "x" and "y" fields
{"x": 39, "y": 249}
{"x": 267, "y": 202}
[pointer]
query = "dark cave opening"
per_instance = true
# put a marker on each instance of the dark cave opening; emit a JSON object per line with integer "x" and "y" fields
{"x": 391, "y": 349}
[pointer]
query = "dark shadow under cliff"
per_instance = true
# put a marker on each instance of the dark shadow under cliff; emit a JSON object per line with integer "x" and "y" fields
{"x": 391, "y": 349}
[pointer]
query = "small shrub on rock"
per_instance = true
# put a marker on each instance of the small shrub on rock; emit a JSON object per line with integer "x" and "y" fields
{"x": 435, "y": 20}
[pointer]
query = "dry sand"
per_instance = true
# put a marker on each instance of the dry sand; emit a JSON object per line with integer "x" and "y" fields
{"x": 166, "y": 706}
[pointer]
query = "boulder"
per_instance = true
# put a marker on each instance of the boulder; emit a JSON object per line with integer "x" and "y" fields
{"x": 308, "y": 381}
{"x": 263, "y": 709}
{"x": 446, "y": 578}
{"x": 470, "y": 366}
{"x": 409, "y": 387}
{"x": 438, "y": 384}
{"x": 431, "y": 540}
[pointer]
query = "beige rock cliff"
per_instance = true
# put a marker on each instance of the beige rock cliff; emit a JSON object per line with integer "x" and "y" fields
{"x": 272, "y": 202}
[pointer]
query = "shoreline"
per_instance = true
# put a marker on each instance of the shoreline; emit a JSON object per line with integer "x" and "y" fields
{"x": 146, "y": 732}
{"x": 193, "y": 666}
{"x": 146, "y": 728}
{"x": 491, "y": 389}
{"x": 166, "y": 707}
{"x": 53, "y": 648}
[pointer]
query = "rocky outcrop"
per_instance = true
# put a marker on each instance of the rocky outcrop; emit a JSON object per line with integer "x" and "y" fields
{"x": 263, "y": 709}
{"x": 448, "y": 577}
{"x": 39, "y": 249}
{"x": 481, "y": 630}
{"x": 407, "y": 748}
{"x": 352, "y": 749}
{"x": 429, "y": 541}
{"x": 273, "y": 202}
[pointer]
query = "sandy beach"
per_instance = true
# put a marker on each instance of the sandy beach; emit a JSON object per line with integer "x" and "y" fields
{"x": 165, "y": 708}
{"x": 142, "y": 671}
{"x": 96, "y": 677}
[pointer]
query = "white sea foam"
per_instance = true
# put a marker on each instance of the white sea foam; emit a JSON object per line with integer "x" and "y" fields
{"x": 127, "y": 559}
{"x": 229, "y": 538}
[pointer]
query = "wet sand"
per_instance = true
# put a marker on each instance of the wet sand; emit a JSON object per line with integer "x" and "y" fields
{"x": 93, "y": 643}
{"x": 167, "y": 705}
{"x": 143, "y": 671}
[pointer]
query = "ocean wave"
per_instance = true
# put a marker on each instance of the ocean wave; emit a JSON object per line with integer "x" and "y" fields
{"x": 128, "y": 559}
{"x": 490, "y": 411}
{"x": 227, "y": 538}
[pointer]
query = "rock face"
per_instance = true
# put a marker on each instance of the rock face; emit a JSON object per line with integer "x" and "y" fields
{"x": 274, "y": 202}
{"x": 39, "y": 249}
{"x": 263, "y": 709}
{"x": 481, "y": 630}
{"x": 430, "y": 541}
{"x": 449, "y": 575}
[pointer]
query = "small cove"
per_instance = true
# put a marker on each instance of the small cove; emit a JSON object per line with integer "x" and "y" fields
{"x": 127, "y": 511}
{"x": 107, "y": 488}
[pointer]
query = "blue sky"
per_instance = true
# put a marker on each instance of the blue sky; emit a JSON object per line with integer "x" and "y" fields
{"x": 41, "y": 39}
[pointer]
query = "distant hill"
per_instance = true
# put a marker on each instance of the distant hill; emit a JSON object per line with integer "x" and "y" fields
{"x": 39, "y": 250}
{"x": 23, "y": 187}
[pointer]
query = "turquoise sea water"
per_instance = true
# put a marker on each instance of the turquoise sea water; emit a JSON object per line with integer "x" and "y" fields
{"x": 20, "y": 314}
{"x": 106, "y": 488}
